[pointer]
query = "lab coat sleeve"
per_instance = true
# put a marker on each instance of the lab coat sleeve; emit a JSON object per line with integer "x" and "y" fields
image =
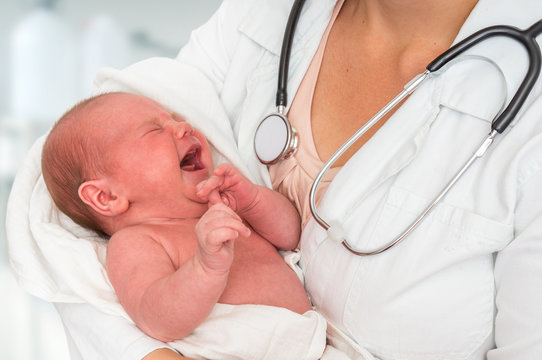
{"x": 92, "y": 334}
{"x": 518, "y": 274}
{"x": 210, "y": 46}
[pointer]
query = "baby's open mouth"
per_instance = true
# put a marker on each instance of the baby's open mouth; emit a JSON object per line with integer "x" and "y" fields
{"x": 192, "y": 160}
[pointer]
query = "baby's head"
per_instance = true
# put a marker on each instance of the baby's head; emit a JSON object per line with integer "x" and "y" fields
{"x": 116, "y": 159}
{"x": 71, "y": 155}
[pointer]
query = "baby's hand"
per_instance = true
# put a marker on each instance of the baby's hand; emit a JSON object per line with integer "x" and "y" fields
{"x": 216, "y": 231}
{"x": 228, "y": 186}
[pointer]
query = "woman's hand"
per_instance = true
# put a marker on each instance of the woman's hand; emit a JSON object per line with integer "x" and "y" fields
{"x": 164, "y": 354}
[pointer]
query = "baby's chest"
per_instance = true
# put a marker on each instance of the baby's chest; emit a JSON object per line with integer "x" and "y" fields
{"x": 180, "y": 244}
{"x": 257, "y": 271}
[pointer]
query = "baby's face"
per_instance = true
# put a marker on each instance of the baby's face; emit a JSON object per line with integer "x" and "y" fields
{"x": 156, "y": 158}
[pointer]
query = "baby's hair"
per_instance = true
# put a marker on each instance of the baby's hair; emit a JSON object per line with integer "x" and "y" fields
{"x": 71, "y": 156}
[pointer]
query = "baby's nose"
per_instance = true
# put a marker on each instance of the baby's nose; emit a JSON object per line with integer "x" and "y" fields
{"x": 180, "y": 128}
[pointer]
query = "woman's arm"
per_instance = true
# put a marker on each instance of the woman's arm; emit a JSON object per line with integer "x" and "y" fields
{"x": 93, "y": 334}
{"x": 210, "y": 46}
{"x": 108, "y": 337}
{"x": 518, "y": 274}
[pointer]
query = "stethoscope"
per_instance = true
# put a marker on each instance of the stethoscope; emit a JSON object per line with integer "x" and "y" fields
{"x": 276, "y": 125}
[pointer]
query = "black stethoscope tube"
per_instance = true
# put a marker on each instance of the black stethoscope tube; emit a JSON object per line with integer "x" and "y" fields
{"x": 293, "y": 18}
{"x": 528, "y": 39}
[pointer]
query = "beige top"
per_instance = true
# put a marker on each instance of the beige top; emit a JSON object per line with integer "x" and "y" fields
{"x": 294, "y": 177}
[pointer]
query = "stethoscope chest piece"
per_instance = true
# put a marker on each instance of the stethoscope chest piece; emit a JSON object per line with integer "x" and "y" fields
{"x": 275, "y": 139}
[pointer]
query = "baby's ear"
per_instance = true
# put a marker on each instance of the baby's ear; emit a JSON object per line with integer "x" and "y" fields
{"x": 98, "y": 195}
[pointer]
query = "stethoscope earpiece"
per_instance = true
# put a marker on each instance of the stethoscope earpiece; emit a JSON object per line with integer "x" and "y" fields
{"x": 275, "y": 139}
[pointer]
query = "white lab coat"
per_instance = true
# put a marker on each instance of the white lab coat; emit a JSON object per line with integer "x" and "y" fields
{"x": 470, "y": 278}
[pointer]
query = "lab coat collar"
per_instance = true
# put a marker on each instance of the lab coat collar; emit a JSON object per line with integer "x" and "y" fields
{"x": 480, "y": 86}
{"x": 519, "y": 13}
{"x": 266, "y": 21}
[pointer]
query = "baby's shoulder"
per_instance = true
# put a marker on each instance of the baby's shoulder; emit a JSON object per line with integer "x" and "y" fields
{"x": 152, "y": 231}
{"x": 173, "y": 241}
{"x": 165, "y": 234}
{"x": 132, "y": 231}
{"x": 131, "y": 237}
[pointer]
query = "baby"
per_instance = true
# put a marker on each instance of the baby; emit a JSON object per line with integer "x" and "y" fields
{"x": 183, "y": 237}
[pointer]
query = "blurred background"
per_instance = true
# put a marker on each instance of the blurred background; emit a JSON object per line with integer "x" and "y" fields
{"x": 49, "y": 53}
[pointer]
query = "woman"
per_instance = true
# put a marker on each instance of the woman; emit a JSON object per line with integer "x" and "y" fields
{"x": 466, "y": 283}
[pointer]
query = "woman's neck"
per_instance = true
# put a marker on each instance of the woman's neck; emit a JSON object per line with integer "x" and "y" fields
{"x": 409, "y": 21}
{"x": 404, "y": 35}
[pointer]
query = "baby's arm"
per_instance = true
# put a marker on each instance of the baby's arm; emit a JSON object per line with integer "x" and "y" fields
{"x": 268, "y": 212}
{"x": 168, "y": 303}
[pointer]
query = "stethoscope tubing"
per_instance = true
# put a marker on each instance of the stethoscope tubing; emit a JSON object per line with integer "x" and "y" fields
{"x": 527, "y": 38}
{"x": 408, "y": 89}
{"x": 486, "y": 143}
{"x": 284, "y": 61}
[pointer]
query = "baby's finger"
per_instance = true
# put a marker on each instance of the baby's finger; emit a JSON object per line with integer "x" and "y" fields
{"x": 224, "y": 169}
{"x": 233, "y": 223}
{"x": 222, "y": 236}
{"x": 221, "y": 169}
{"x": 206, "y": 187}
{"x": 214, "y": 198}
{"x": 227, "y": 173}
{"x": 220, "y": 209}
{"x": 229, "y": 218}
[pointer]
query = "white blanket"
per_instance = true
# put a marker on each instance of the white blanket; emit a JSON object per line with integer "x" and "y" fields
{"x": 256, "y": 332}
{"x": 55, "y": 259}
{"x": 262, "y": 332}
